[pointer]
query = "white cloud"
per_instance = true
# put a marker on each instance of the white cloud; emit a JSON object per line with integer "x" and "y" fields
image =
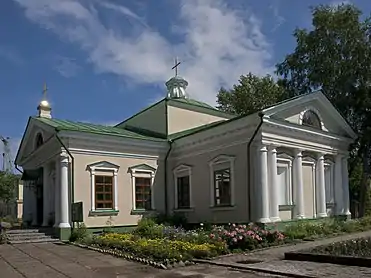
{"x": 10, "y": 54}
{"x": 66, "y": 66}
{"x": 339, "y": 3}
{"x": 218, "y": 44}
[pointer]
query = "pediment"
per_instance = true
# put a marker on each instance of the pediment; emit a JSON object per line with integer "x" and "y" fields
{"x": 293, "y": 111}
{"x": 103, "y": 165}
{"x": 142, "y": 167}
{"x": 221, "y": 159}
{"x": 35, "y": 130}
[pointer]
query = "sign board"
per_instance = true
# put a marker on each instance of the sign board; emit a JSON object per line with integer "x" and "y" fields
{"x": 77, "y": 212}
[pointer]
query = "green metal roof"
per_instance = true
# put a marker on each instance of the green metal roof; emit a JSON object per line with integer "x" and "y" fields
{"x": 64, "y": 125}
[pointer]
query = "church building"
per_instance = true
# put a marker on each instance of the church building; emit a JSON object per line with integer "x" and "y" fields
{"x": 286, "y": 162}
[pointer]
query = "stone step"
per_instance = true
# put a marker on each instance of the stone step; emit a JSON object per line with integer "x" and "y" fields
{"x": 22, "y": 231}
{"x": 40, "y": 240}
{"x": 27, "y": 236}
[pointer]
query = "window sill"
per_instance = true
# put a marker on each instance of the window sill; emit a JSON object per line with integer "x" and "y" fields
{"x": 184, "y": 209}
{"x": 285, "y": 207}
{"x": 104, "y": 212}
{"x": 141, "y": 211}
{"x": 221, "y": 208}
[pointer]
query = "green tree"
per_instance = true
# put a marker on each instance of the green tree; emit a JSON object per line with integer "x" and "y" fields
{"x": 251, "y": 94}
{"x": 8, "y": 185}
{"x": 336, "y": 57}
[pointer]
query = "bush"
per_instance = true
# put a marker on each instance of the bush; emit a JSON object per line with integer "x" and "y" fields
{"x": 360, "y": 247}
{"x": 160, "y": 249}
{"x": 327, "y": 227}
{"x": 79, "y": 233}
{"x": 246, "y": 237}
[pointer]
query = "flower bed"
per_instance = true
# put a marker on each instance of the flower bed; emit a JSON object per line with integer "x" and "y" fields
{"x": 360, "y": 247}
{"x": 355, "y": 252}
{"x": 166, "y": 245}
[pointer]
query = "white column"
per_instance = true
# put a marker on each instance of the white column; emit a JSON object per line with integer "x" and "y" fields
{"x": 345, "y": 181}
{"x": 64, "y": 189}
{"x": 338, "y": 185}
{"x": 57, "y": 190}
{"x": 262, "y": 189}
{"x": 92, "y": 190}
{"x": 298, "y": 186}
{"x": 116, "y": 207}
{"x": 46, "y": 193}
{"x": 272, "y": 164}
{"x": 321, "y": 187}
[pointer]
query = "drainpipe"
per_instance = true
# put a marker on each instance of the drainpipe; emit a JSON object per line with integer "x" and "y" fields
{"x": 72, "y": 173}
{"x": 261, "y": 115}
{"x": 166, "y": 158}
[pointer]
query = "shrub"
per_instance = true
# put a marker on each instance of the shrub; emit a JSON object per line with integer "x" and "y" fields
{"x": 360, "y": 247}
{"x": 148, "y": 228}
{"x": 159, "y": 249}
{"x": 79, "y": 233}
{"x": 246, "y": 237}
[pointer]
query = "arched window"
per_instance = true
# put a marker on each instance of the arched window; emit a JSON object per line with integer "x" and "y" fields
{"x": 310, "y": 118}
{"x": 39, "y": 140}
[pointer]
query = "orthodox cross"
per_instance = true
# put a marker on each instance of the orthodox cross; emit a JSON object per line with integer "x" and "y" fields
{"x": 176, "y": 66}
{"x": 45, "y": 90}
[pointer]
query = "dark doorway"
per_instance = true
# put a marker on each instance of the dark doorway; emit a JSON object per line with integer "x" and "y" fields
{"x": 39, "y": 198}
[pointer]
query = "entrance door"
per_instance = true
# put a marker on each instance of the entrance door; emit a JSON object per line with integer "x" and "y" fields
{"x": 39, "y": 200}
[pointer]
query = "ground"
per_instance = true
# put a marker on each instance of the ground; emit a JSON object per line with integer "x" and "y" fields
{"x": 61, "y": 261}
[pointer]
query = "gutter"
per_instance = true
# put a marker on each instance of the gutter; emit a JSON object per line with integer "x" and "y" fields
{"x": 17, "y": 168}
{"x": 166, "y": 189}
{"x": 248, "y": 151}
{"x": 72, "y": 173}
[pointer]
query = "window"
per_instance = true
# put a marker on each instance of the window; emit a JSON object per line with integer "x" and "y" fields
{"x": 222, "y": 182}
{"x": 183, "y": 187}
{"x": 104, "y": 192}
{"x": 143, "y": 193}
{"x": 183, "y": 192}
{"x": 284, "y": 184}
{"x": 142, "y": 178}
{"x": 103, "y": 187}
{"x": 39, "y": 140}
{"x": 310, "y": 118}
{"x": 222, "y": 187}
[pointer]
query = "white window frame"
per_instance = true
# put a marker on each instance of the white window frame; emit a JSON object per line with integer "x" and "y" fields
{"x": 180, "y": 171}
{"x": 103, "y": 167}
{"x": 142, "y": 173}
{"x": 287, "y": 163}
{"x": 229, "y": 161}
{"x": 315, "y": 110}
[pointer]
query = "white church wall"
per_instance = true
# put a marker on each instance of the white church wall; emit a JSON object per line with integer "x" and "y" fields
{"x": 125, "y": 216}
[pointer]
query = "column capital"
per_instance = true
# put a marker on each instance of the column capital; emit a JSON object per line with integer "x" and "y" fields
{"x": 263, "y": 148}
{"x": 272, "y": 148}
{"x": 64, "y": 157}
{"x": 298, "y": 152}
{"x": 320, "y": 156}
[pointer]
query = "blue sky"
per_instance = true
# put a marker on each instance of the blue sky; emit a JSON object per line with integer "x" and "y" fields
{"x": 104, "y": 60}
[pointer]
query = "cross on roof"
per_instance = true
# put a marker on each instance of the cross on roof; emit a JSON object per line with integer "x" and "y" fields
{"x": 176, "y": 66}
{"x": 45, "y": 90}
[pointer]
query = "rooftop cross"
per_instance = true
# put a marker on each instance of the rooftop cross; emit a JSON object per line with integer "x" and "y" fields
{"x": 176, "y": 66}
{"x": 45, "y": 90}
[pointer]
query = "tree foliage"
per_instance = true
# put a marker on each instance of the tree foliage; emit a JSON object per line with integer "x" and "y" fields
{"x": 251, "y": 94}
{"x": 8, "y": 185}
{"x": 336, "y": 57}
